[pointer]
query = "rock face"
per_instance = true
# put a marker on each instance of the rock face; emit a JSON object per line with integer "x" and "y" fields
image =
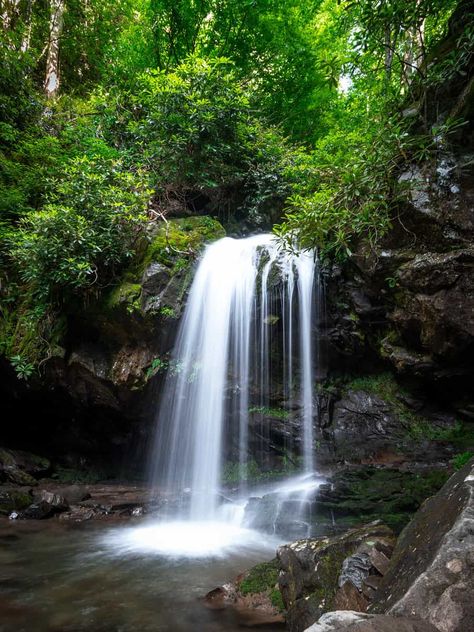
{"x": 409, "y": 302}
{"x": 431, "y": 575}
{"x": 320, "y": 574}
{"x": 89, "y": 406}
{"x": 20, "y": 467}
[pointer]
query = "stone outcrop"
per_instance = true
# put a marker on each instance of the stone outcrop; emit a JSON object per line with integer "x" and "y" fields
{"x": 21, "y": 468}
{"x": 89, "y": 404}
{"x": 431, "y": 575}
{"x": 318, "y": 575}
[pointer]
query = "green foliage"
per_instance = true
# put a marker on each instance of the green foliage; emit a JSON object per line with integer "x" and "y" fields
{"x": 202, "y": 102}
{"x": 23, "y": 368}
{"x": 85, "y": 232}
{"x": 278, "y": 413}
{"x": 167, "y": 312}
{"x": 343, "y": 190}
{"x": 194, "y": 130}
{"x": 158, "y": 365}
{"x": 461, "y": 459}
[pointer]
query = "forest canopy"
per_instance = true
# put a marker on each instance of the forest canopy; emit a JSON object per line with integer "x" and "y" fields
{"x": 114, "y": 113}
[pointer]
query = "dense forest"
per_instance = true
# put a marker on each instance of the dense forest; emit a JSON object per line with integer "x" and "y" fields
{"x": 115, "y": 114}
{"x": 236, "y": 315}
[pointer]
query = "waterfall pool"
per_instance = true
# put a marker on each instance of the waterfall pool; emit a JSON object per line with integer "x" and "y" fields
{"x": 57, "y": 577}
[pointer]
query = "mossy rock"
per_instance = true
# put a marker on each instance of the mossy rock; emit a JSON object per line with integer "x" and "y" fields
{"x": 179, "y": 240}
{"x": 174, "y": 246}
{"x": 367, "y": 493}
{"x": 126, "y": 296}
{"x": 263, "y": 578}
{"x": 14, "y": 500}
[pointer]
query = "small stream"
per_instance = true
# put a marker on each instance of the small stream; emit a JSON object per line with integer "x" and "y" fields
{"x": 58, "y": 577}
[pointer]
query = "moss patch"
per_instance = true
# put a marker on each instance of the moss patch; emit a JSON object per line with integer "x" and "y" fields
{"x": 126, "y": 295}
{"x": 263, "y": 578}
{"x": 179, "y": 240}
{"x": 369, "y": 493}
{"x": 13, "y": 500}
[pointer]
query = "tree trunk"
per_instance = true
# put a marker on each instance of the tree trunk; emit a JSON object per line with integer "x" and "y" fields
{"x": 51, "y": 82}
{"x": 9, "y": 9}
{"x": 25, "y": 42}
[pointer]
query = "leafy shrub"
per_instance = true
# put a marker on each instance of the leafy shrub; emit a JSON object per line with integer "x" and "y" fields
{"x": 86, "y": 231}
{"x": 194, "y": 130}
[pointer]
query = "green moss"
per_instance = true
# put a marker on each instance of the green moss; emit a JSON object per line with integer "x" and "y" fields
{"x": 382, "y": 384}
{"x": 278, "y": 413}
{"x": 277, "y": 599}
{"x": 261, "y": 577}
{"x": 417, "y": 427}
{"x": 71, "y": 475}
{"x": 13, "y": 500}
{"x": 369, "y": 494}
{"x": 461, "y": 459}
{"x": 126, "y": 295}
{"x": 179, "y": 240}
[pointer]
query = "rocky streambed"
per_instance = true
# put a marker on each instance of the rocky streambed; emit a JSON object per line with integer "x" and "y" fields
{"x": 367, "y": 580}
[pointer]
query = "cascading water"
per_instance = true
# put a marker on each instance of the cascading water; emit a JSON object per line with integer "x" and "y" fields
{"x": 222, "y": 365}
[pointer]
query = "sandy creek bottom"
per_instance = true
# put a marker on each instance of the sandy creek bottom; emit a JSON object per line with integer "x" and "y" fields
{"x": 130, "y": 576}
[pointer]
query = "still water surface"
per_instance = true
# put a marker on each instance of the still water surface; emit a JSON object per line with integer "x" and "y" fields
{"x": 57, "y": 577}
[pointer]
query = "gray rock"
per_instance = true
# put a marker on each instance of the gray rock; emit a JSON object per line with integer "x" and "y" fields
{"x": 431, "y": 575}
{"x": 38, "y": 511}
{"x": 350, "y": 621}
{"x": 355, "y": 569}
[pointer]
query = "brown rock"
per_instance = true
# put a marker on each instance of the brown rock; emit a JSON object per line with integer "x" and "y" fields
{"x": 379, "y": 561}
{"x": 350, "y": 598}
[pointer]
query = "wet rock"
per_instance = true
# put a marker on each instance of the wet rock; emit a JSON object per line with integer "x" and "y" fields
{"x": 347, "y": 621}
{"x": 431, "y": 574}
{"x": 348, "y": 597}
{"x": 355, "y": 569}
{"x": 365, "y": 493}
{"x": 55, "y": 500}
{"x": 14, "y": 500}
{"x": 315, "y": 571}
{"x": 254, "y": 596}
{"x": 38, "y": 511}
{"x": 20, "y": 467}
{"x": 77, "y": 513}
{"x": 73, "y": 494}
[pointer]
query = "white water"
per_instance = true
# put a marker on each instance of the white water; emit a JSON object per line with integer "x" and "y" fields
{"x": 223, "y": 354}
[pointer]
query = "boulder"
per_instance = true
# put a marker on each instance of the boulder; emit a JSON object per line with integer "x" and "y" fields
{"x": 20, "y": 467}
{"x": 14, "y": 500}
{"x": 317, "y": 574}
{"x": 38, "y": 511}
{"x": 431, "y": 573}
{"x": 254, "y": 596}
{"x": 347, "y": 621}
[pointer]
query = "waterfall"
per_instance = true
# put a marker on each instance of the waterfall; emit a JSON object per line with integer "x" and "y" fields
{"x": 247, "y": 296}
